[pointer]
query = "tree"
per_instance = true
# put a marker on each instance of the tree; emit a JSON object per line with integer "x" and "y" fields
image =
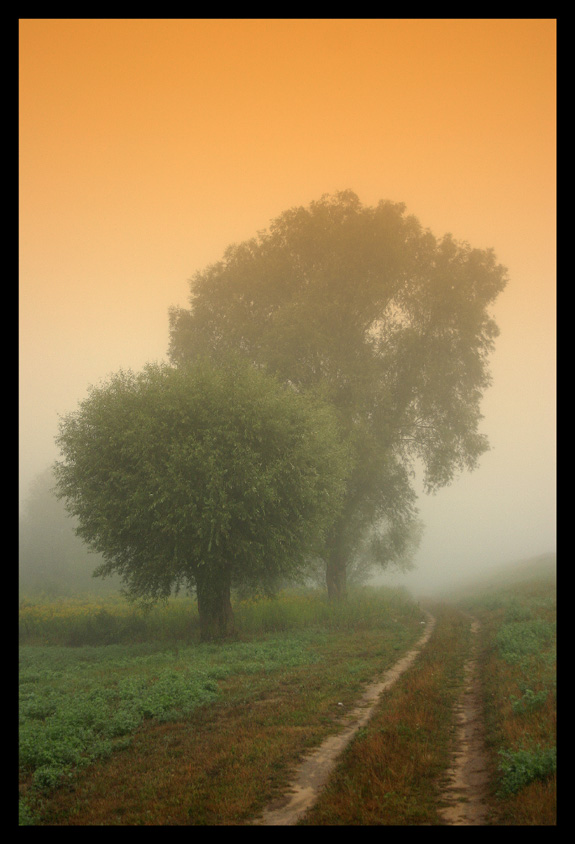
{"x": 387, "y": 322}
{"x": 204, "y": 477}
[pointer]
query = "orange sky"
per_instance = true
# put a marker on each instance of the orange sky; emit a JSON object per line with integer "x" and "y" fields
{"x": 147, "y": 146}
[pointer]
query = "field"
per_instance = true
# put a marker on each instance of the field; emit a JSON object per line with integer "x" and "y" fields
{"x": 125, "y": 719}
{"x": 519, "y": 675}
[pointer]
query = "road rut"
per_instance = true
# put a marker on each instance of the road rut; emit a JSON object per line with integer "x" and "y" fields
{"x": 313, "y": 774}
{"x": 467, "y": 782}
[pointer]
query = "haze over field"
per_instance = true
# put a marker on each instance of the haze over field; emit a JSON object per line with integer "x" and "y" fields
{"x": 148, "y": 145}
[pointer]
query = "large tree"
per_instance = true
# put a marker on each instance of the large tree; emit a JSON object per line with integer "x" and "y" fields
{"x": 204, "y": 476}
{"x": 389, "y": 323}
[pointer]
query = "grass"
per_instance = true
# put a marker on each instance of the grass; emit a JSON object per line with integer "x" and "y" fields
{"x": 139, "y": 724}
{"x": 87, "y": 620}
{"x": 90, "y": 620}
{"x": 174, "y": 732}
{"x": 390, "y": 775}
{"x": 518, "y": 669}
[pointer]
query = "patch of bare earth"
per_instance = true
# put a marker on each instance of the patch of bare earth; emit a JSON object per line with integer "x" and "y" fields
{"x": 465, "y": 795}
{"x": 314, "y": 772}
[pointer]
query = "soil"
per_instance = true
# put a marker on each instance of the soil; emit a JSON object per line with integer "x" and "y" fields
{"x": 466, "y": 789}
{"x": 316, "y": 768}
{"x": 464, "y": 798}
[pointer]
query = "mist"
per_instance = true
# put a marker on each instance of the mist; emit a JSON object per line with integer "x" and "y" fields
{"x": 148, "y": 146}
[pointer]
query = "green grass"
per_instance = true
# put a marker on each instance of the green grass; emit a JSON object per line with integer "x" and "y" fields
{"x": 86, "y": 709}
{"x": 126, "y": 719}
{"x": 87, "y": 620}
{"x": 519, "y": 678}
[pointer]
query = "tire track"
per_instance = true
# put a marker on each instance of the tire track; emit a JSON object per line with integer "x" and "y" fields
{"x": 466, "y": 792}
{"x": 313, "y": 773}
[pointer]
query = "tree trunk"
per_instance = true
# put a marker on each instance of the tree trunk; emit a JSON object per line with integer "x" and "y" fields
{"x": 213, "y": 591}
{"x": 335, "y": 575}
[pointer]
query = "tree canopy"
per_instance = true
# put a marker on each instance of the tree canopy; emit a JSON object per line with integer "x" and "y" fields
{"x": 387, "y": 322}
{"x": 202, "y": 476}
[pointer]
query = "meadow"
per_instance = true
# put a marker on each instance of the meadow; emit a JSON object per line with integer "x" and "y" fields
{"x": 99, "y": 677}
{"x": 126, "y": 719}
{"x": 519, "y": 676}
{"x": 393, "y": 772}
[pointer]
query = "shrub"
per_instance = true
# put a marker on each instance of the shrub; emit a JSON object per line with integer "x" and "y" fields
{"x": 529, "y": 701}
{"x": 520, "y": 767}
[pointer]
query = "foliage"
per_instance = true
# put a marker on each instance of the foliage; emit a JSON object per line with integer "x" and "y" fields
{"x": 387, "y": 322}
{"x": 205, "y": 477}
{"x": 521, "y": 767}
{"x": 529, "y": 700}
{"x": 520, "y": 639}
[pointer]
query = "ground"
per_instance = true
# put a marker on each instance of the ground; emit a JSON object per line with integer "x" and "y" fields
{"x": 316, "y": 768}
{"x": 464, "y": 796}
{"x": 466, "y": 788}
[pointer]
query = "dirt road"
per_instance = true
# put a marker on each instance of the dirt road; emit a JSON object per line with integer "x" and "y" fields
{"x": 464, "y": 796}
{"x": 314, "y": 772}
{"x": 467, "y": 781}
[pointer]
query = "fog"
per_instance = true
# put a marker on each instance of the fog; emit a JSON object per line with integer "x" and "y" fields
{"x": 148, "y": 146}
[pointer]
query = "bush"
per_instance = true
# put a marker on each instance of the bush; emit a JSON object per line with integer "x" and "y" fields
{"x": 520, "y": 767}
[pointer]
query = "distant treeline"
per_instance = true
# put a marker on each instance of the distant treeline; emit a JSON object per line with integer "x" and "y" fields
{"x": 52, "y": 559}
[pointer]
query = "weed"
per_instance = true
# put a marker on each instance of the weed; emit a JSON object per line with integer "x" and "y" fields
{"x": 529, "y": 701}
{"x": 519, "y": 639}
{"x": 521, "y": 767}
{"x": 26, "y": 815}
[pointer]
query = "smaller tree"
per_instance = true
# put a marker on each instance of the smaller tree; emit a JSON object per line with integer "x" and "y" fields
{"x": 205, "y": 477}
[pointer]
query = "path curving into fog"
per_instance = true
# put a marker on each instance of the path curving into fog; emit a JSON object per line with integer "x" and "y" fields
{"x": 313, "y": 773}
